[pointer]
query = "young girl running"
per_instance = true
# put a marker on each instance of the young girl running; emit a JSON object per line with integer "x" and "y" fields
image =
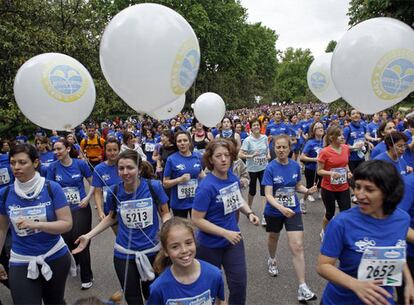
{"x": 185, "y": 280}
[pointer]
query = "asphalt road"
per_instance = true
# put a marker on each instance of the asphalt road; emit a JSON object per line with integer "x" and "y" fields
{"x": 262, "y": 288}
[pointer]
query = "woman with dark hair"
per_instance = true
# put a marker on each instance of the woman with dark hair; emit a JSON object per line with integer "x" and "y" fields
{"x": 70, "y": 173}
{"x": 105, "y": 175}
{"x": 167, "y": 148}
{"x": 216, "y": 202}
{"x": 369, "y": 242}
{"x": 38, "y": 213}
{"x": 227, "y": 132}
{"x": 148, "y": 145}
{"x": 333, "y": 167}
{"x": 130, "y": 142}
{"x": 396, "y": 143}
{"x": 182, "y": 172}
{"x": 135, "y": 204}
{"x": 201, "y": 136}
{"x": 45, "y": 154}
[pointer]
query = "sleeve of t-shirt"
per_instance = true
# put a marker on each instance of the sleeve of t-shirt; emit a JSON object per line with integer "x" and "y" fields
{"x": 59, "y": 198}
{"x": 408, "y": 199}
{"x": 245, "y": 145}
{"x": 168, "y": 168}
{"x": 202, "y": 199}
{"x": 267, "y": 176}
{"x": 333, "y": 240}
{"x": 155, "y": 297}
{"x": 2, "y": 203}
{"x": 110, "y": 198}
{"x": 159, "y": 191}
{"x": 346, "y": 134}
{"x": 307, "y": 148}
{"x": 96, "y": 180}
{"x": 85, "y": 169}
{"x": 50, "y": 171}
{"x": 298, "y": 172}
{"x": 323, "y": 155}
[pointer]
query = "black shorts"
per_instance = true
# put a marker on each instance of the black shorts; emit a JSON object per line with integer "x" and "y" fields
{"x": 275, "y": 224}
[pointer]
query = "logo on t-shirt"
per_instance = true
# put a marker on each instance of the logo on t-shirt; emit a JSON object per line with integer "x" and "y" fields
{"x": 201, "y": 299}
{"x": 278, "y": 179}
{"x": 363, "y": 244}
{"x": 180, "y": 166}
{"x": 106, "y": 177}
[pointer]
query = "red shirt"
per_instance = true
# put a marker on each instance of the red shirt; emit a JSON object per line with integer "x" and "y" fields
{"x": 337, "y": 161}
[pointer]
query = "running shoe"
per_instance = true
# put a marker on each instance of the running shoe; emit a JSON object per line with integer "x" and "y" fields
{"x": 303, "y": 206}
{"x": 305, "y": 294}
{"x": 263, "y": 222}
{"x": 86, "y": 285}
{"x": 311, "y": 199}
{"x": 272, "y": 268}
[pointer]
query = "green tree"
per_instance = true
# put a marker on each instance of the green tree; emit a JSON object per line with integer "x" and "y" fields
{"x": 331, "y": 46}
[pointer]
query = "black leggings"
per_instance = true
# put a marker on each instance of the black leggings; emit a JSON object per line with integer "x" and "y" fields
{"x": 82, "y": 224}
{"x": 328, "y": 198}
{"x": 26, "y": 291}
{"x": 132, "y": 290}
{"x": 254, "y": 176}
{"x": 182, "y": 213}
{"x": 312, "y": 178}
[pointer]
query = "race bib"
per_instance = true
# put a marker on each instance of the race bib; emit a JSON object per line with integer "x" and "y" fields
{"x": 72, "y": 195}
{"x": 4, "y": 176}
{"x": 232, "y": 198}
{"x": 343, "y": 177}
{"x": 187, "y": 189}
{"x": 35, "y": 213}
{"x": 260, "y": 160}
{"x": 137, "y": 214}
{"x": 149, "y": 147}
{"x": 286, "y": 197}
{"x": 382, "y": 263}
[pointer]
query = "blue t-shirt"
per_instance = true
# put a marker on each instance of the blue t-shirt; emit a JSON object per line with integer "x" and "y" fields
{"x": 208, "y": 199}
{"x": 250, "y": 146}
{"x": 347, "y": 236}
{"x": 47, "y": 157}
{"x": 148, "y": 147}
{"x": 275, "y": 129}
{"x": 311, "y": 150}
{"x": 70, "y": 179}
{"x": 30, "y": 242}
{"x": 53, "y": 139}
{"x": 373, "y": 130}
{"x": 209, "y": 286}
{"x": 139, "y": 212}
{"x": 305, "y": 125}
{"x": 378, "y": 149}
{"x": 182, "y": 195}
{"x": 283, "y": 178}
{"x": 103, "y": 177}
{"x": 6, "y": 174}
{"x": 355, "y": 133}
{"x": 407, "y": 204}
{"x": 400, "y": 165}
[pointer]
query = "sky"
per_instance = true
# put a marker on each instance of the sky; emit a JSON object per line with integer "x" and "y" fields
{"x": 301, "y": 23}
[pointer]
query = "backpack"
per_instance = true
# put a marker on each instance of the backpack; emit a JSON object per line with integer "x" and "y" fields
{"x": 98, "y": 140}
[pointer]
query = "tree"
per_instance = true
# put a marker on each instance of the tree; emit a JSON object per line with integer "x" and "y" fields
{"x": 331, "y": 46}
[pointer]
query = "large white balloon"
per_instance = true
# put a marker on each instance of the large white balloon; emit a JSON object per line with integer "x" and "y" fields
{"x": 149, "y": 55}
{"x": 209, "y": 109}
{"x": 320, "y": 81}
{"x": 54, "y": 91}
{"x": 373, "y": 64}
{"x": 170, "y": 110}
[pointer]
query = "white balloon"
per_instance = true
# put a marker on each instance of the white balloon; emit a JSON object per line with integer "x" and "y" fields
{"x": 54, "y": 91}
{"x": 170, "y": 110}
{"x": 373, "y": 64}
{"x": 320, "y": 81}
{"x": 149, "y": 55}
{"x": 192, "y": 106}
{"x": 209, "y": 109}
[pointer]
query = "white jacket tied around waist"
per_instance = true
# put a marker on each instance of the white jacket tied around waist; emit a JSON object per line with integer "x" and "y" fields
{"x": 33, "y": 261}
{"x": 143, "y": 264}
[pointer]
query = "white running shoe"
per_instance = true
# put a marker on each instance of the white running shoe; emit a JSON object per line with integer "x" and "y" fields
{"x": 86, "y": 285}
{"x": 272, "y": 268}
{"x": 305, "y": 294}
{"x": 311, "y": 199}
{"x": 263, "y": 222}
{"x": 303, "y": 206}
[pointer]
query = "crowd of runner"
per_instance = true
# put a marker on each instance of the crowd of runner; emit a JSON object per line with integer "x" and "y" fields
{"x": 173, "y": 191}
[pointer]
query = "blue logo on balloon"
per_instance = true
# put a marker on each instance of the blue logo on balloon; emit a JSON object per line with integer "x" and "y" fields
{"x": 65, "y": 79}
{"x": 189, "y": 68}
{"x": 398, "y": 76}
{"x": 318, "y": 81}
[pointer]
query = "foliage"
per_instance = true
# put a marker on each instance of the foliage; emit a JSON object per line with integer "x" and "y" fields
{"x": 331, "y": 46}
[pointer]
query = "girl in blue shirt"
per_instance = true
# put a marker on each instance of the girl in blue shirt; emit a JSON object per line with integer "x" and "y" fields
{"x": 182, "y": 172}
{"x": 38, "y": 213}
{"x": 70, "y": 174}
{"x": 105, "y": 175}
{"x": 184, "y": 279}
{"x": 369, "y": 242}
{"x": 43, "y": 147}
{"x": 135, "y": 204}
{"x": 217, "y": 200}
{"x": 148, "y": 146}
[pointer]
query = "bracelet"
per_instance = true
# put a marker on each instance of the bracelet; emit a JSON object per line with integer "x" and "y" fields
{"x": 250, "y": 213}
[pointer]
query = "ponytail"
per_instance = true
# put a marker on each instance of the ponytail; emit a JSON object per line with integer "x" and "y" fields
{"x": 161, "y": 262}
